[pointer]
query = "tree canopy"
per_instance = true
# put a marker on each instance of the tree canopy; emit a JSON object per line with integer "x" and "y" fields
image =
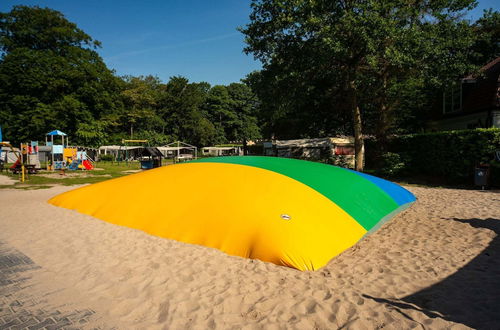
{"x": 329, "y": 68}
{"x": 354, "y": 56}
{"x": 51, "y": 76}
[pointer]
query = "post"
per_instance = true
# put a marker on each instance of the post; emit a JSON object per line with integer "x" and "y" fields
{"x": 23, "y": 150}
{"x": 52, "y": 152}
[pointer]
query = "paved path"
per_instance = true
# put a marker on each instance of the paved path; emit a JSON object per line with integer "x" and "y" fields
{"x": 19, "y": 310}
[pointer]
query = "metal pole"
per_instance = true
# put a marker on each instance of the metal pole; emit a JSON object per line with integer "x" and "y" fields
{"x": 52, "y": 152}
{"x": 22, "y": 163}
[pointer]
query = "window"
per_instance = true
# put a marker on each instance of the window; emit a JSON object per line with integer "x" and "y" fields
{"x": 344, "y": 150}
{"x": 452, "y": 99}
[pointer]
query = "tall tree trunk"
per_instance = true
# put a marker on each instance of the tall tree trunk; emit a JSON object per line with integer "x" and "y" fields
{"x": 358, "y": 130}
{"x": 384, "y": 120}
{"x": 382, "y": 129}
{"x": 358, "y": 140}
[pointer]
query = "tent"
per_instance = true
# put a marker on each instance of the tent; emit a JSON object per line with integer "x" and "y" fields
{"x": 179, "y": 151}
{"x": 287, "y": 211}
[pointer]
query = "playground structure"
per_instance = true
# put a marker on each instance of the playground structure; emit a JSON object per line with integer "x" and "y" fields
{"x": 19, "y": 166}
{"x": 57, "y": 150}
{"x": 63, "y": 156}
{"x": 25, "y": 159}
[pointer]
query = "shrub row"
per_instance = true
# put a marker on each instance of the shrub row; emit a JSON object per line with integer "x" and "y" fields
{"x": 450, "y": 156}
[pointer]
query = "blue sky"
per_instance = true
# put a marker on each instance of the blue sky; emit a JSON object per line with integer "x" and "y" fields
{"x": 193, "y": 38}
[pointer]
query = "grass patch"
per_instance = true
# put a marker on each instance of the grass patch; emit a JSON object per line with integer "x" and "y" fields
{"x": 31, "y": 187}
{"x": 104, "y": 171}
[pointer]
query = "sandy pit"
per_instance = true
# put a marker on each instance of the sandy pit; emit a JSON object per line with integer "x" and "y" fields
{"x": 436, "y": 265}
{"x": 5, "y": 180}
{"x": 69, "y": 175}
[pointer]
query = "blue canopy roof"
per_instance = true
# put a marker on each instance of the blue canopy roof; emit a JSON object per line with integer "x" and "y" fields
{"x": 57, "y": 132}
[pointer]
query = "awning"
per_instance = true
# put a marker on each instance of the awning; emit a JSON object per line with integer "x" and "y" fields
{"x": 57, "y": 132}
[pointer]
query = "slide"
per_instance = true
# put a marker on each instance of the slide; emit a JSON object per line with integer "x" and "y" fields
{"x": 88, "y": 165}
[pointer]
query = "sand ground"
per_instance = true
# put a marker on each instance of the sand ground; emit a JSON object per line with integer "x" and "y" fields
{"x": 5, "y": 180}
{"x": 436, "y": 265}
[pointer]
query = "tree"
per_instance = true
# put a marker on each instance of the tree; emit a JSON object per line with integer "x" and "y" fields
{"x": 217, "y": 109}
{"x": 92, "y": 134}
{"x": 487, "y": 30}
{"x": 50, "y": 75}
{"x": 141, "y": 99}
{"x": 182, "y": 110}
{"x": 359, "y": 48}
{"x": 233, "y": 111}
{"x": 243, "y": 105}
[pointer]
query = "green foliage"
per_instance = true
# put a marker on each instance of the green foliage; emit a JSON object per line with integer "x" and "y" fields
{"x": 322, "y": 60}
{"x": 391, "y": 164}
{"x": 487, "y": 44}
{"x": 450, "y": 156}
{"x": 92, "y": 134}
{"x": 339, "y": 160}
{"x": 50, "y": 75}
{"x": 106, "y": 158}
{"x": 40, "y": 28}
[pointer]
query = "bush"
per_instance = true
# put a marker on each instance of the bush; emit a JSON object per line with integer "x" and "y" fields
{"x": 106, "y": 158}
{"x": 449, "y": 156}
{"x": 391, "y": 164}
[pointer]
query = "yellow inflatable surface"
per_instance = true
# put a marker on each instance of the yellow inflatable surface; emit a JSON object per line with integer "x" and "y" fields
{"x": 243, "y": 210}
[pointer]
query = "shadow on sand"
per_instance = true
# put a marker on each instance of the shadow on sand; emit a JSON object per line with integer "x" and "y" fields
{"x": 470, "y": 296}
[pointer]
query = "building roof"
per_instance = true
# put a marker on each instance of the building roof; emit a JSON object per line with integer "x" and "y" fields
{"x": 314, "y": 143}
{"x": 114, "y": 147}
{"x": 485, "y": 68}
{"x": 174, "y": 148}
{"x": 220, "y": 148}
{"x": 148, "y": 151}
{"x": 482, "y": 93}
{"x": 179, "y": 144}
{"x": 57, "y": 132}
{"x": 304, "y": 143}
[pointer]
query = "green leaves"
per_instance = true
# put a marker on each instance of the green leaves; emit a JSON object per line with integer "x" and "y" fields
{"x": 38, "y": 28}
{"x": 318, "y": 56}
{"x": 92, "y": 134}
{"x": 50, "y": 77}
{"x": 449, "y": 156}
{"x": 487, "y": 38}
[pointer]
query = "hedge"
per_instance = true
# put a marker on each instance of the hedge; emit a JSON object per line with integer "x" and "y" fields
{"x": 450, "y": 156}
